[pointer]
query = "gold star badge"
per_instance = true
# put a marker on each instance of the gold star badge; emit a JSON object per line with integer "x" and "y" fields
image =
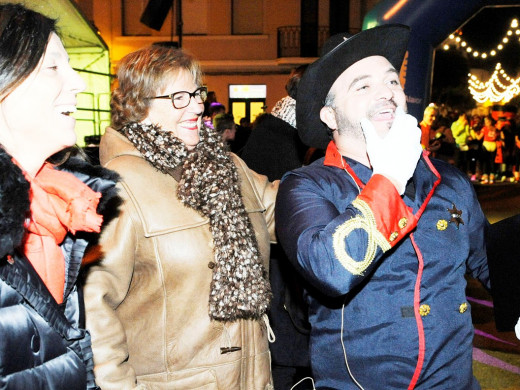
{"x": 456, "y": 215}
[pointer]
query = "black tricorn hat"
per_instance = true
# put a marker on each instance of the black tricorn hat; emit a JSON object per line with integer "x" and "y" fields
{"x": 338, "y": 53}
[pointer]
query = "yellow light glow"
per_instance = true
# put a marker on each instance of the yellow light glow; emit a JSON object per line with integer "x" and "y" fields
{"x": 394, "y": 9}
{"x": 494, "y": 90}
{"x": 446, "y": 47}
{"x": 457, "y": 36}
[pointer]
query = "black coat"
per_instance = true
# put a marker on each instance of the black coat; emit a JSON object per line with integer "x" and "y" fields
{"x": 273, "y": 147}
{"x": 503, "y": 250}
{"x": 44, "y": 345}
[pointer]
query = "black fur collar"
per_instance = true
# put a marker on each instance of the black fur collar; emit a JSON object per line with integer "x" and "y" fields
{"x": 14, "y": 204}
{"x": 14, "y": 196}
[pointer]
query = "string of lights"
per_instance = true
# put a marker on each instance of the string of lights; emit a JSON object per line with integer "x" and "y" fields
{"x": 457, "y": 39}
{"x": 495, "y": 89}
{"x": 500, "y": 87}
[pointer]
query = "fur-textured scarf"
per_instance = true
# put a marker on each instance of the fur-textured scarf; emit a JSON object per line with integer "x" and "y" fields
{"x": 210, "y": 185}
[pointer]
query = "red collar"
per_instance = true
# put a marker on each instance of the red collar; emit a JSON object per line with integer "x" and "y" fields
{"x": 333, "y": 158}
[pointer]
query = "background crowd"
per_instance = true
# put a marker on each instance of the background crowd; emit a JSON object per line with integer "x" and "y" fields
{"x": 485, "y": 147}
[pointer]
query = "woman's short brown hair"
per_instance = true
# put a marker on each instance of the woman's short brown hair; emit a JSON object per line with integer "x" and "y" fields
{"x": 141, "y": 75}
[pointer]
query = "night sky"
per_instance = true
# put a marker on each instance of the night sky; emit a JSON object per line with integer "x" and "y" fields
{"x": 485, "y": 30}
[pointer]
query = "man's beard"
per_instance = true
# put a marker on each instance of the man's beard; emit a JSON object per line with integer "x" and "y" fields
{"x": 348, "y": 127}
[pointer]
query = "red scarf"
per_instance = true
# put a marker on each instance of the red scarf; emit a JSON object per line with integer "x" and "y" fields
{"x": 60, "y": 203}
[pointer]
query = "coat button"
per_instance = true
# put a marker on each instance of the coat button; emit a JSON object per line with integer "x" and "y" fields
{"x": 463, "y": 307}
{"x": 424, "y": 310}
{"x": 442, "y": 224}
{"x": 211, "y": 265}
{"x": 403, "y": 222}
{"x": 393, "y": 236}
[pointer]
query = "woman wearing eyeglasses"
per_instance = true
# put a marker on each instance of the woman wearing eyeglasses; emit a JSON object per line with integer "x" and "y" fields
{"x": 179, "y": 295}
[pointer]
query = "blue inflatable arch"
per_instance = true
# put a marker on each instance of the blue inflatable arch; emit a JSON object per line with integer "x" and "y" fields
{"x": 431, "y": 21}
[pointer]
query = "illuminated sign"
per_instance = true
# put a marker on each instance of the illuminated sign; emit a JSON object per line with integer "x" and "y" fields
{"x": 247, "y": 91}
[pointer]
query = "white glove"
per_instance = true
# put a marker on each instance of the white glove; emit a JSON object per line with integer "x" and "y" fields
{"x": 396, "y": 155}
{"x": 517, "y": 329}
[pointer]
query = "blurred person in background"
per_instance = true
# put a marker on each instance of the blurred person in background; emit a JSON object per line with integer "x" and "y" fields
{"x": 224, "y": 124}
{"x": 461, "y": 132}
{"x": 428, "y": 140}
{"x": 491, "y": 139}
{"x": 274, "y": 148}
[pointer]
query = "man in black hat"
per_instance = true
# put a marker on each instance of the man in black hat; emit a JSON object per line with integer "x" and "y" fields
{"x": 383, "y": 233}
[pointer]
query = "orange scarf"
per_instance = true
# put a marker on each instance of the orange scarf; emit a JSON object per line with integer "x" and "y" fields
{"x": 60, "y": 203}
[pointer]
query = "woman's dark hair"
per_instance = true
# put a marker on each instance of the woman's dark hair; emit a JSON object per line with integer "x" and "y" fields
{"x": 294, "y": 79}
{"x": 491, "y": 119}
{"x": 24, "y": 35}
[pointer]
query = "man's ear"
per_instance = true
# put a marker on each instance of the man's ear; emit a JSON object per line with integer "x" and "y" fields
{"x": 328, "y": 117}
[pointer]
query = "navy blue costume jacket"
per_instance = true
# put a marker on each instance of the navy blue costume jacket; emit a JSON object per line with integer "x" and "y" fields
{"x": 390, "y": 268}
{"x": 44, "y": 345}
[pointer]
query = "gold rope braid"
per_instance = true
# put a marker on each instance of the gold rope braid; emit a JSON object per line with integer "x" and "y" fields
{"x": 367, "y": 222}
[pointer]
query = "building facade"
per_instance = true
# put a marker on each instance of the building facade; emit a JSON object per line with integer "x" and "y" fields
{"x": 247, "y": 48}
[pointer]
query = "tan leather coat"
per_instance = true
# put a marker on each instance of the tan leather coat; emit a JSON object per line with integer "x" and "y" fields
{"x": 147, "y": 298}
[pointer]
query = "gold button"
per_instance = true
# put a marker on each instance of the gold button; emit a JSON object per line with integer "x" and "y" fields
{"x": 442, "y": 224}
{"x": 463, "y": 307}
{"x": 403, "y": 222}
{"x": 424, "y": 310}
{"x": 393, "y": 236}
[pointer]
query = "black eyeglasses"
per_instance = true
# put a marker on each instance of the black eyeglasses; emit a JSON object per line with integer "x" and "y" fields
{"x": 182, "y": 99}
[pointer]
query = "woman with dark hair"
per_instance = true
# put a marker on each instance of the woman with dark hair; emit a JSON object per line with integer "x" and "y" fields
{"x": 179, "y": 297}
{"x": 48, "y": 214}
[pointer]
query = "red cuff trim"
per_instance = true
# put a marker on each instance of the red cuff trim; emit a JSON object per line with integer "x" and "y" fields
{"x": 394, "y": 219}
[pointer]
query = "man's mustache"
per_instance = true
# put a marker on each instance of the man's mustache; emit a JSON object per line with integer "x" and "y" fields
{"x": 380, "y": 106}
